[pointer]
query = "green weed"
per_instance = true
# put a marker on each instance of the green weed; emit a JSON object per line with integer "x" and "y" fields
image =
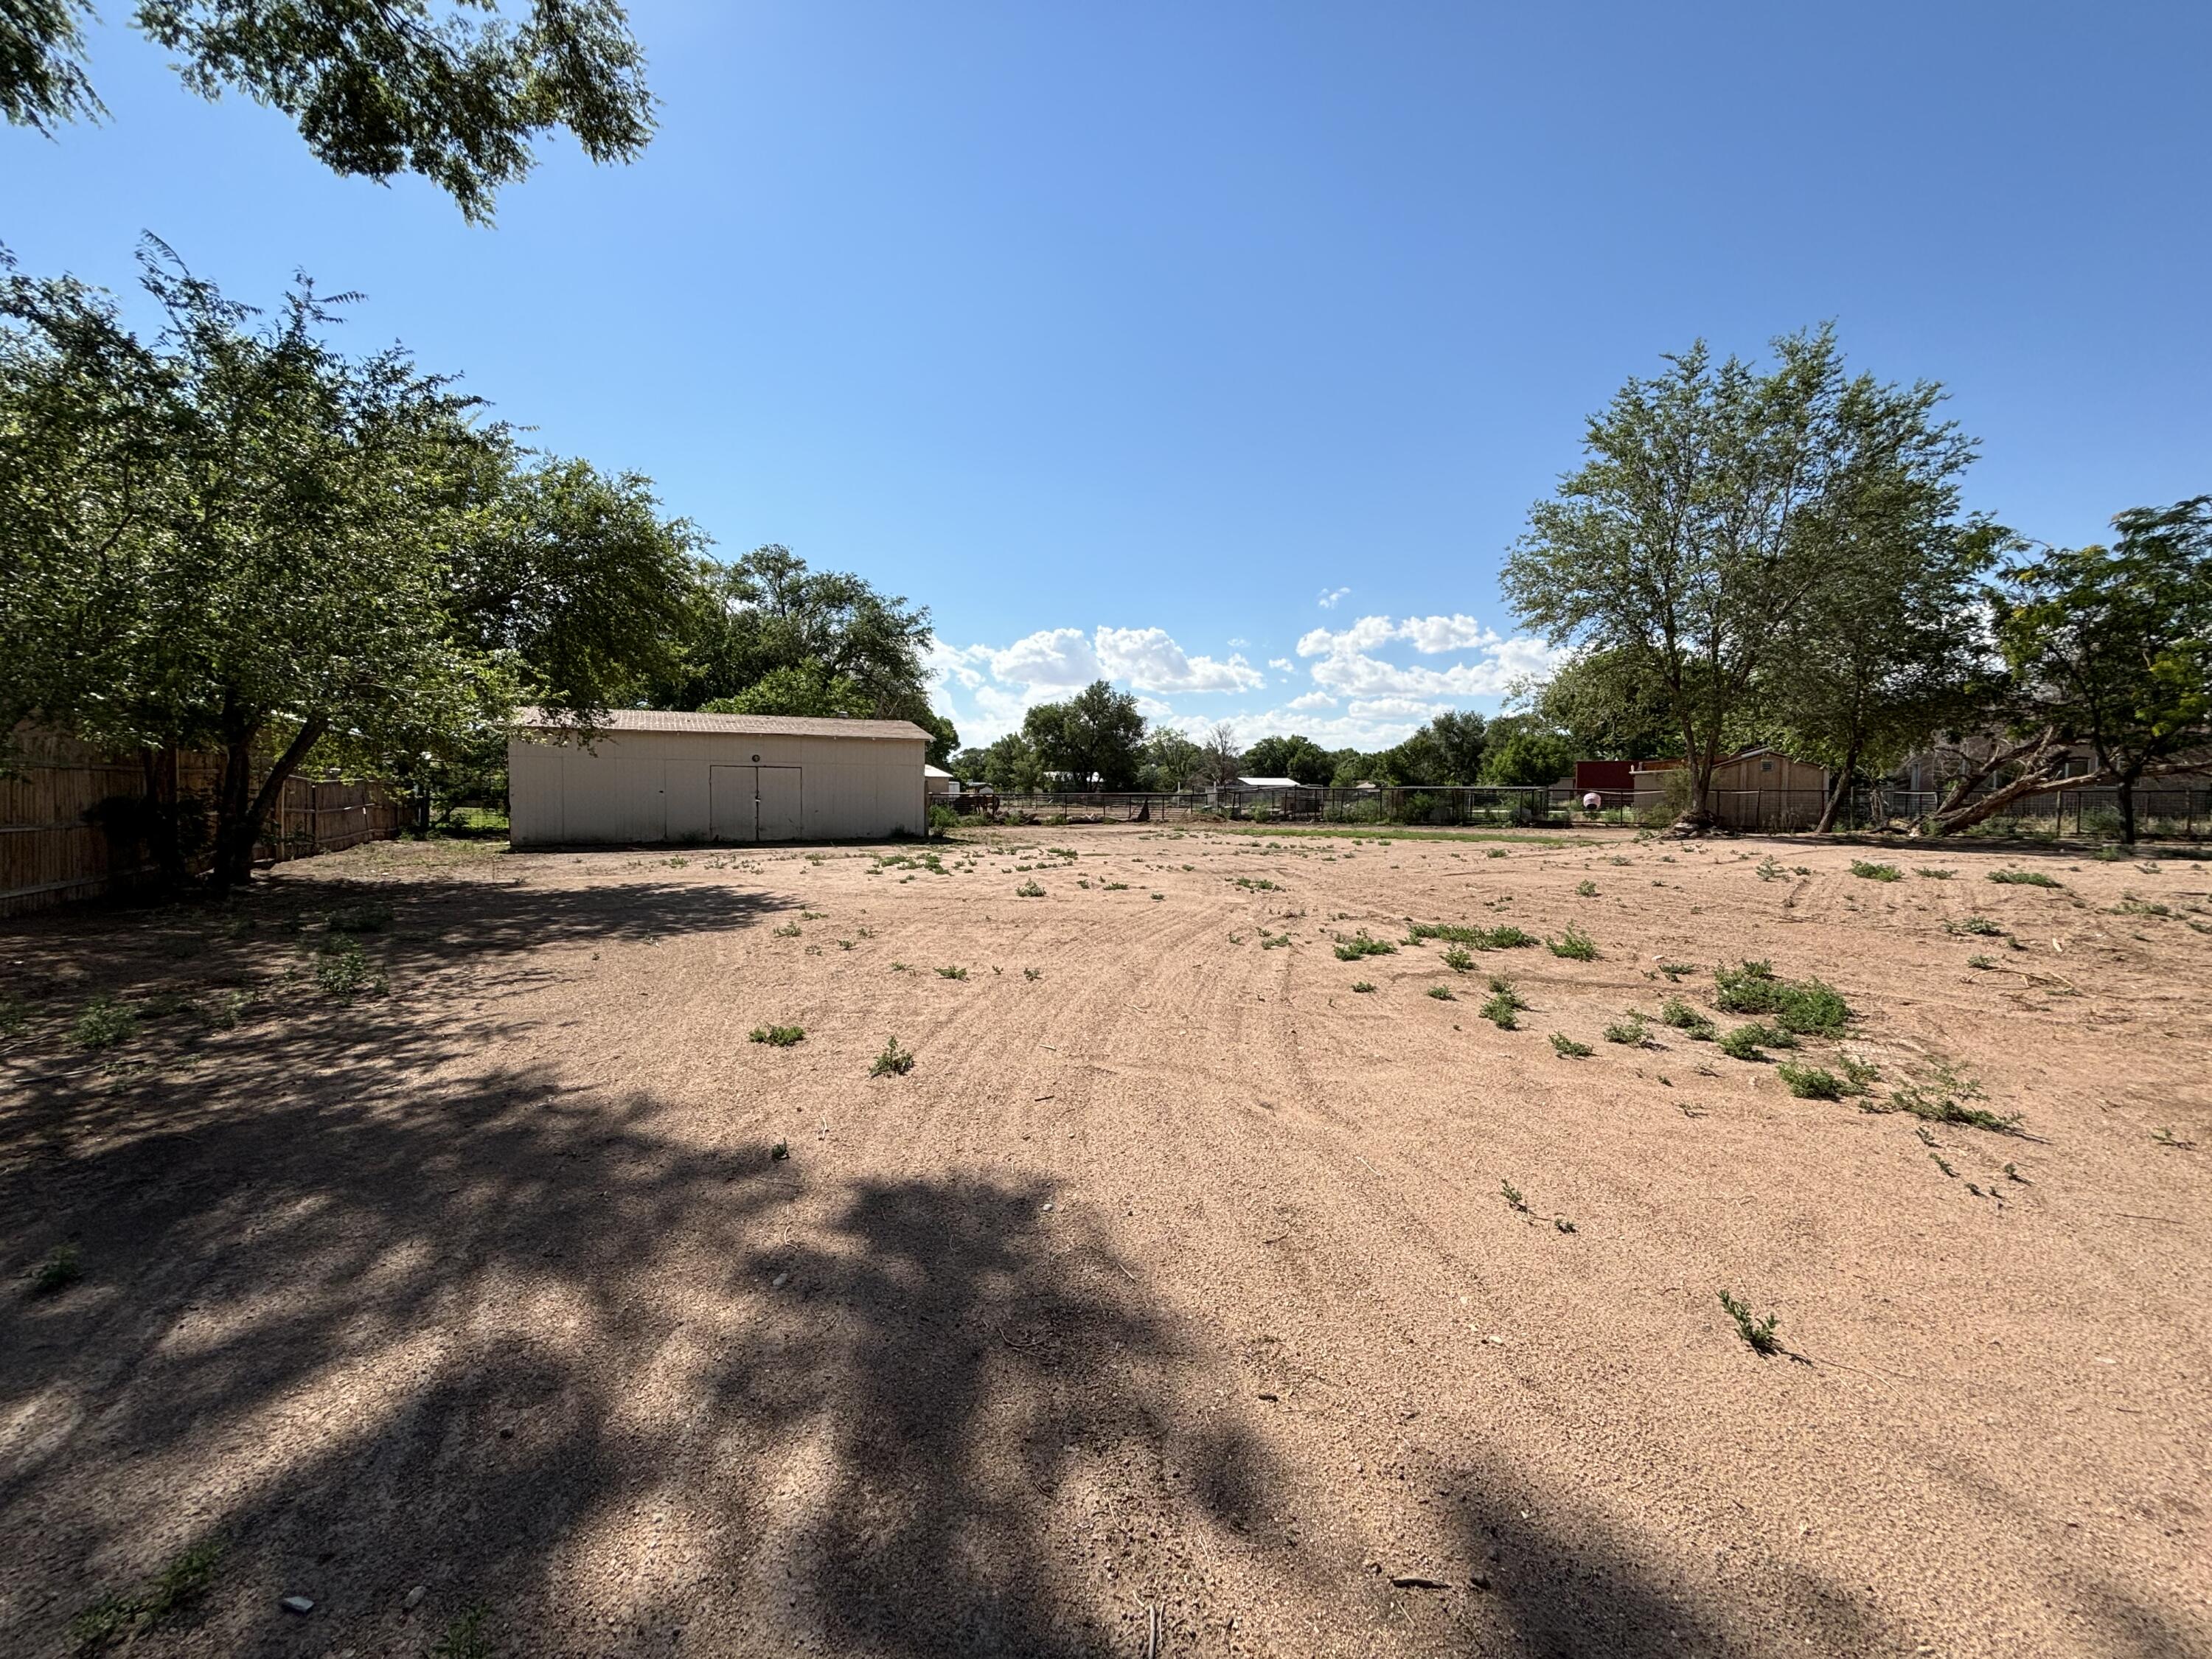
{"x": 1942, "y": 1095}
{"x": 1586, "y": 889}
{"x": 1513, "y": 1197}
{"x": 1674, "y": 970}
{"x": 1567, "y": 1048}
{"x": 1274, "y": 941}
{"x": 1866, "y": 872}
{"x": 789, "y": 930}
{"x": 1441, "y": 993}
{"x": 1682, "y": 1018}
{"x": 778, "y": 1037}
{"x": 106, "y": 1023}
{"x": 1351, "y": 950}
{"x": 360, "y": 919}
{"x": 1770, "y": 870}
{"x": 1801, "y": 1005}
{"x": 58, "y": 1271}
{"x": 1363, "y": 986}
{"x": 1810, "y": 1082}
{"x": 1749, "y": 1041}
{"x": 1629, "y": 1031}
{"x": 1504, "y": 938}
{"x": 952, "y": 973}
{"x": 1574, "y": 944}
{"x": 1934, "y": 875}
{"x": 2024, "y": 879}
{"x": 1458, "y": 959}
{"x": 1028, "y": 889}
{"x": 1504, "y": 1002}
{"x": 894, "y": 1062}
{"x": 115, "y": 1618}
{"x": 465, "y": 1637}
{"x": 344, "y": 972}
{"x": 1759, "y": 1332}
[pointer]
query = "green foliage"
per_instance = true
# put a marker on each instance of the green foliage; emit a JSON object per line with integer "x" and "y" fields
{"x": 1505, "y": 937}
{"x": 1862, "y": 869}
{"x": 1715, "y": 524}
{"x": 60, "y": 1270}
{"x": 1363, "y": 986}
{"x": 1586, "y": 889}
{"x": 1098, "y": 732}
{"x": 184, "y": 1580}
{"x": 1574, "y": 944}
{"x": 778, "y": 1036}
{"x": 1802, "y": 1006}
{"x": 1942, "y": 1095}
{"x": 1812, "y": 1082}
{"x": 1456, "y": 958}
{"x": 1683, "y": 1018}
{"x": 1567, "y": 1048}
{"x": 894, "y": 1062}
{"x": 367, "y": 918}
{"x": 1514, "y": 1199}
{"x": 1631, "y": 1031}
{"x": 1504, "y": 1002}
{"x": 952, "y": 973}
{"x": 1441, "y": 993}
{"x": 344, "y": 971}
{"x": 1293, "y": 756}
{"x": 1758, "y": 1333}
{"x": 2024, "y": 879}
{"x": 1929, "y": 873}
{"x": 1520, "y": 753}
{"x": 1360, "y": 944}
{"x": 104, "y": 1023}
{"x": 464, "y": 1638}
{"x": 1748, "y": 1041}
{"x": 377, "y": 87}
{"x": 1029, "y": 889}
{"x": 1978, "y": 927}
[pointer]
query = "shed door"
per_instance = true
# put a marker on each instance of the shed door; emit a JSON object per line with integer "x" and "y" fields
{"x": 780, "y": 804}
{"x": 731, "y": 814}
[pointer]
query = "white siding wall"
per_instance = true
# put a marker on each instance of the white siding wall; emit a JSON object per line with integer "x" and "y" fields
{"x": 652, "y": 786}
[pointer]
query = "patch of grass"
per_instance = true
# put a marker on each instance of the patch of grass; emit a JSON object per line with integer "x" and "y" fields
{"x": 344, "y": 971}
{"x": 1674, "y": 970}
{"x": 1505, "y": 937}
{"x": 1758, "y": 1333}
{"x": 1866, "y": 872}
{"x": 1441, "y": 993}
{"x": 56, "y": 1273}
{"x": 1363, "y": 986}
{"x": 360, "y": 919}
{"x": 1567, "y": 1048}
{"x": 1981, "y": 962}
{"x": 1351, "y": 950}
{"x": 1505, "y": 1001}
{"x": 1975, "y": 927}
{"x": 789, "y": 930}
{"x": 1749, "y": 1041}
{"x": 952, "y": 973}
{"x": 1257, "y": 884}
{"x": 1942, "y": 1095}
{"x": 1113, "y": 886}
{"x": 1586, "y": 889}
{"x": 113, "y": 1619}
{"x": 1858, "y": 1074}
{"x": 105, "y": 1022}
{"x": 1810, "y": 1082}
{"x": 1927, "y": 874}
{"x": 1574, "y": 944}
{"x": 1629, "y": 1031}
{"x": 894, "y": 1062}
{"x": 2024, "y": 879}
{"x": 1689, "y": 1021}
{"x": 1802, "y": 1005}
{"x": 1458, "y": 959}
{"x": 1274, "y": 941}
{"x": 778, "y": 1037}
{"x": 465, "y": 1637}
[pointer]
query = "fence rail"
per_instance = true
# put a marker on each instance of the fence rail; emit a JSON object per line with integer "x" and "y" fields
{"x": 71, "y": 820}
{"x": 2164, "y": 813}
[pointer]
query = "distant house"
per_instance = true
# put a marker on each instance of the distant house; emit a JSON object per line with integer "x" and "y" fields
{"x": 939, "y": 784}
{"x": 1759, "y": 788}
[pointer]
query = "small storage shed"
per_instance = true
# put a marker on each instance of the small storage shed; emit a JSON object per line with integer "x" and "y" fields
{"x": 656, "y": 775}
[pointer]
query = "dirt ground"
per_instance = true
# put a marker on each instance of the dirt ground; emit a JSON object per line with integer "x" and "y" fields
{"x": 1172, "y": 1302}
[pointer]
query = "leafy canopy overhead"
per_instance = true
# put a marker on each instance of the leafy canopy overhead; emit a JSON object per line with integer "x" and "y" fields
{"x": 454, "y": 92}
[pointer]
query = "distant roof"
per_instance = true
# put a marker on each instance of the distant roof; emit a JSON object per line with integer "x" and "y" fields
{"x": 928, "y": 771}
{"x": 1270, "y": 783}
{"x": 744, "y": 726}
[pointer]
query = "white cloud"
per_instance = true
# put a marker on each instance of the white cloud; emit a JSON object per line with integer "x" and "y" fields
{"x": 1329, "y": 596}
{"x": 1312, "y": 700}
{"x": 1431, "y": 635}
{"x": 1282, "y": 664}
{"x": 1151, "y": 661}
{"x": 1053, "y": 657}
{"x": 1235, "y": 645}
{"x": 1348, "y": 664}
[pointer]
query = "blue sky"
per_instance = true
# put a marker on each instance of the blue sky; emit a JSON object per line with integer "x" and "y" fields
{"x": 1222, "y": 348}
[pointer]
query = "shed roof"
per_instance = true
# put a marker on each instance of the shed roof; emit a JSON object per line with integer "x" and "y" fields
{"x": 744, "y": 726}
{"x": 1270, "y": 783}
{"x": 928, "y": 771}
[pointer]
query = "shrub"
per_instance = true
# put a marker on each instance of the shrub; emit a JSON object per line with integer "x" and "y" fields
{"x": 1941, "y": 1097}
{"x": 1685, "y": 1019}
{"x": 1800, "y": 1005}
{"x": 1629, "y": 1031}
{"x": 1979, "y": 926}
{"x": 1567, "y": 1048}
{"x": 1586, "y": 889}
{"x": 1769, "y": 869}
{"x": 1746, "y": 1042}
{"x": 1927, "y": 875}
{"x": 2023, "y": 879}
{"x": 1441, "y": 993}
{"x": 1363, "y": 986}
{"x": 1811, "y": 1082}
{"x": 942, "y": 818}
{"x": 894, "y": 1062}
{"x": 952, "y": 973}
{"x": 1504, "y": 1002}
{"x": 1505, "y": 937}
{"x": 1574, "y": 944}
{"x": 1351, "y": 950}
{"x": 105, "y": 1022}
{"x": 1458, "y": 959}
{"x": 1866, "y": 872}
{"x": 1029, "y": 889}
{"x": 778, "y": 1037}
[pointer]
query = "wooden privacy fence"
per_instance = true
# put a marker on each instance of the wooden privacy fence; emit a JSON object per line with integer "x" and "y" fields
{"x": 72, "y": 820}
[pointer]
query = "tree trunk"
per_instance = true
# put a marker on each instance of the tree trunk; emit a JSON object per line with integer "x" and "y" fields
{"x": 242, "y": 810}
{"x": 164, "y": 816}
{"x": 2124, "y": 793}
{"x": 1836, "y": 795}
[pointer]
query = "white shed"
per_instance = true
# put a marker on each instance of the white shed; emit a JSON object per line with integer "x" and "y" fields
{"x": 653, "y": 775}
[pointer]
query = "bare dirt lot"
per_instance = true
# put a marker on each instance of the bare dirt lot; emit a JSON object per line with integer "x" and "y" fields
{"x": 1177, "y": 1300}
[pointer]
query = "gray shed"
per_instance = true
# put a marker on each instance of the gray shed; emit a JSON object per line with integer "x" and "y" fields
{"x": 655, "y": 776}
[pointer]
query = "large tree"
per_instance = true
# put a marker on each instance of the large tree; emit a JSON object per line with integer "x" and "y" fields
{"x": 1709, "y": 520}
{"x": 1609, "y": 706}
{"x": 1095, "y": 740}
{"x": 234, "y": 539}
{"x": 2108, "y": 648}
{"x": 1293, "y": 757}
{"x": 453, "y": 91}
